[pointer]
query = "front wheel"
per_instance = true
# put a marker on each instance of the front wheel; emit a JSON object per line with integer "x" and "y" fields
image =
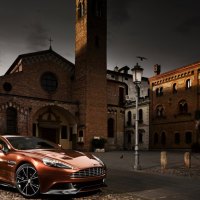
{"x": 27, "y": 181}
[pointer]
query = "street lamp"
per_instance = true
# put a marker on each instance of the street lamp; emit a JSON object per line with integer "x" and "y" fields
{"x": 137, "y": 72}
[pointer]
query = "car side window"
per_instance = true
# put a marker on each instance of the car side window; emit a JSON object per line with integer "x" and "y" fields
{"x": 5, "y": 146}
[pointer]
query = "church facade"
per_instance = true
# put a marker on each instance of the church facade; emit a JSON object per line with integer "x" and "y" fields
{"x": 36, "y": 98}
{"x": 44, "y": 95}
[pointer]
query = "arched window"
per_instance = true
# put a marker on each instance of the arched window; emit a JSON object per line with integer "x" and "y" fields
{"x": 188, "y": 137}
{"x": 163, "y": 138}
{"x": 11, "y": 119}
{"x": 160, "y": 111}
{"x": 111, "y": 128}
{"x": 155, "y": 139}
{"x": 188, "y": 84}
{"x": 177, "y": 138}
{"x": 148, "y": 92}
{"x": 183, "y": 107}
{"x": 140, "y": 116}
{"x": 174, "y": 88}
{"x": 159, "y": 91}
{"x": 129, "y": 116}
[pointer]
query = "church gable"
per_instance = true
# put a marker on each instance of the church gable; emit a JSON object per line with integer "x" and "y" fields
{"x": 44, "y": 74}
{"x": 37, "y": 58}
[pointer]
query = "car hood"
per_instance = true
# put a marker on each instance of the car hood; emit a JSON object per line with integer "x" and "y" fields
{"x": 75, "y": 158}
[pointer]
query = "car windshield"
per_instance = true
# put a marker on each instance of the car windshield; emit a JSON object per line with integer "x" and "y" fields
{"x": 28, "y": 143}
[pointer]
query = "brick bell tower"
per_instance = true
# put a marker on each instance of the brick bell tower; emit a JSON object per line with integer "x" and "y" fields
{"x": 90, "y": 69}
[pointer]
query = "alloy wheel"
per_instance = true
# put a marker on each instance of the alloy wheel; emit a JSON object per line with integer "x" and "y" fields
{"x": 27, "y": 181}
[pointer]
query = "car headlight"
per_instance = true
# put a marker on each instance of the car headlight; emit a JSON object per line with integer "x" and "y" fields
{"x": 55, "y": 163}
{"x": 97, "y": 159}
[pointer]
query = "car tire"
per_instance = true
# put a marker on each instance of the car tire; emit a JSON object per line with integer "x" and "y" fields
{"x": 27, "y": 180}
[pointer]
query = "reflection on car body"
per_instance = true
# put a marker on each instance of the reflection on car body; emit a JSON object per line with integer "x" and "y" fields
{"x": 34, "y": 166}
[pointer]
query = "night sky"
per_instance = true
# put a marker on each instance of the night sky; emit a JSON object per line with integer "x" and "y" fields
{"x": 167, "y": 32}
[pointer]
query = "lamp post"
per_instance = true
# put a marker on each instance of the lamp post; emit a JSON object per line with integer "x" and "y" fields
{"x": 137, "y": 72}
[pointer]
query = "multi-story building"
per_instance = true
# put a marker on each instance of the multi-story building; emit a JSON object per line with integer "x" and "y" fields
{"x": 127, "y": 136}
{"x": 175, "y": 107}
{"x": 143, "y": 124}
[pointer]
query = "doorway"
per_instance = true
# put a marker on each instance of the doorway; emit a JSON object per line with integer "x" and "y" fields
{"x": 50, "y": 134}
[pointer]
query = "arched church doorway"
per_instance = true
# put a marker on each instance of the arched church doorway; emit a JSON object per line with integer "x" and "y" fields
{"x": 57, "y": 125}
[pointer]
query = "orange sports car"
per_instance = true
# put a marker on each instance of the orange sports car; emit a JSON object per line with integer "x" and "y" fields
{"x": 34, "y": 166}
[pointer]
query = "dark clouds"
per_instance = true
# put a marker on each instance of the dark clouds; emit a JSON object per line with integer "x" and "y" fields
{"x": 155, "y": 29}
{"x": 164, "y": 31}
{"x": 190, "y": 25}
{"x": 119, "y": 12}
{"x": 38, "y": 36}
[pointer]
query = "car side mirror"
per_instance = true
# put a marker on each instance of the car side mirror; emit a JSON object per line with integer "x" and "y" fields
{"x": 1, "y": 147}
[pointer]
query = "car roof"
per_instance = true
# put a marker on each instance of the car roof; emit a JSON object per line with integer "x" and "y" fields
{"x": 9, "y": 136}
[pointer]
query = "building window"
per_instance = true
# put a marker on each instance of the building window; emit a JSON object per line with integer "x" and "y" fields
{"x": 188, "y": 84}
{"x": 140, "y": 138}
{"x": 188, "y": 137}
{"x": 129, "y": 116}
{"x": 110, "y": 128}
{"x": 174, "y": 88}
{"x": 7, "y": 87}
{"x": 159, "y": 92}
{"x": 129, "y": 138}
{"x": 160, "y": 111}
{"x": 121, "y": 96}
{"x": 155, "y": 139}
{"x": 64, "y": 134}
{"x": 81, "y": 9}
{"x": 140, "y": 116}
{"x": 183, "y": 107}
{"x": 177, "y": 138}
{"x": 148, "y": 93}
{"x": 34, "y": 129}
{"x": 163, "y": 138}
{"x": 49, "y": 82}
{"x": 11, "y": 119}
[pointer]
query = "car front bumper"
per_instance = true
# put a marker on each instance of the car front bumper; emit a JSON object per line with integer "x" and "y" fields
{"x": 77, "y": 187}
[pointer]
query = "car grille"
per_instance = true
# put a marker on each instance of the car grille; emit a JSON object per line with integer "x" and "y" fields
{"x": 94, "y": 171}
{"x": 89, "y": 185}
